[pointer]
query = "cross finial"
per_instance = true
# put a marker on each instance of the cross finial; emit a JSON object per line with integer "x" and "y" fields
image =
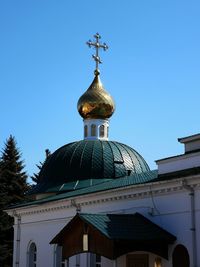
{"x": 97, "y": 45}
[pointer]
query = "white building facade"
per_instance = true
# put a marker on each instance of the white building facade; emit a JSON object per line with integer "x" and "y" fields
{"x": 172, "y": 203}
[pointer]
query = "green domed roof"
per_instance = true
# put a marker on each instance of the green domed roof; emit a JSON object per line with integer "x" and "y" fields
{"x": 84, "y": 163}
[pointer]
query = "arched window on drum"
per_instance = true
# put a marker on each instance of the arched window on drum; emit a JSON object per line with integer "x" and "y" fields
{"x": 93, "y": 130}
{"x": 102, "y": 131}
{"x": 85, "y": 131}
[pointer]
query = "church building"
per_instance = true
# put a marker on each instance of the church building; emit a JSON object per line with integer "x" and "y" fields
{"x": 98, "y": 204}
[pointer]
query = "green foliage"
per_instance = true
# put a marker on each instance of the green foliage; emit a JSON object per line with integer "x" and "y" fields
{"x": 13, "y": 187}
{"x": 36, "y": 176}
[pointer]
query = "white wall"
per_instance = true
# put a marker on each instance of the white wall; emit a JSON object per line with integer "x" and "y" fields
{"x": 166, "y": 204}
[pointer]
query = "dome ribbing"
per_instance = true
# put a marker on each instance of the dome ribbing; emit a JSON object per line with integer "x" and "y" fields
{"x": 89, "y": 161}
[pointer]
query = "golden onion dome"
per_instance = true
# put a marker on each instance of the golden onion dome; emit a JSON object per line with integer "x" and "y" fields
{"x": 96, "y": 102}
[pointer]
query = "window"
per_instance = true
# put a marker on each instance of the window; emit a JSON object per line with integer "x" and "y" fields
{"x": 180, "y": 257}
{"x": 98, "y": 261}
{"x": 32, "y": 255}
{"x": 85, "y": 131}
{"x": 101, "y": 131}
{"x": 107, "y": 131}
{"x": 93, "y": 130}
{"x": 85, "y": 242}
{"x": 95, "y": 260}
{"x": 65, "y": 263}
{"x": 78, "y": 257}
{"x": 58, "y": 256}
{"x": 58, "y": 261}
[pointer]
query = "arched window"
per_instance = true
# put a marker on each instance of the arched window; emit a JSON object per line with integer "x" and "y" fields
{"x": 95, "y": 260}
{"x": 101, "y": 131}
{"x": 85, "y": 131}
{"x": 78, "y": 260}
{"x": 93, "y": 130}
{"x": 57, "y": 256}
{"x": 180, "y": 257}
{"x": 32, "y": 261}
{"x": 58, "y": 260}
{"x": 107, "y": 131}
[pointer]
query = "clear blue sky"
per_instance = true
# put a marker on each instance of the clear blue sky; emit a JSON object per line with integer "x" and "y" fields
{"x": 152, "y": 69}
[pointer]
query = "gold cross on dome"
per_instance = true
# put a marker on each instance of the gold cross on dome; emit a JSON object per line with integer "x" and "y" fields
{"x": 97, "y": 45}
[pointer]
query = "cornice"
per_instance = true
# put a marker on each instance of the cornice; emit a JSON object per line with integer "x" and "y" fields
{"x": 143, "y": 191}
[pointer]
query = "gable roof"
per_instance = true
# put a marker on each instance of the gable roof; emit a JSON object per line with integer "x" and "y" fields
{"x": 112, "y": 235}
{"x": 127, "y": 227}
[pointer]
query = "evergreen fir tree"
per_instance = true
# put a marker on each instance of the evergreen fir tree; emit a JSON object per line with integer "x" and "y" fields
{"x": 36, "y": 176}
{"x": 13, "y": 187}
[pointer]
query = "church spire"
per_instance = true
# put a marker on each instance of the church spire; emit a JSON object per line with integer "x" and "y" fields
{"x": 96, "y": 105}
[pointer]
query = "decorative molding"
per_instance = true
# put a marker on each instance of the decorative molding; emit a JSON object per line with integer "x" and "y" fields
{"x": 148, "y": 191}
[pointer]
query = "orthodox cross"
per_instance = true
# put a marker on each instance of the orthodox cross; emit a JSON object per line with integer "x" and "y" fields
{"x": 97, "y": 45}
